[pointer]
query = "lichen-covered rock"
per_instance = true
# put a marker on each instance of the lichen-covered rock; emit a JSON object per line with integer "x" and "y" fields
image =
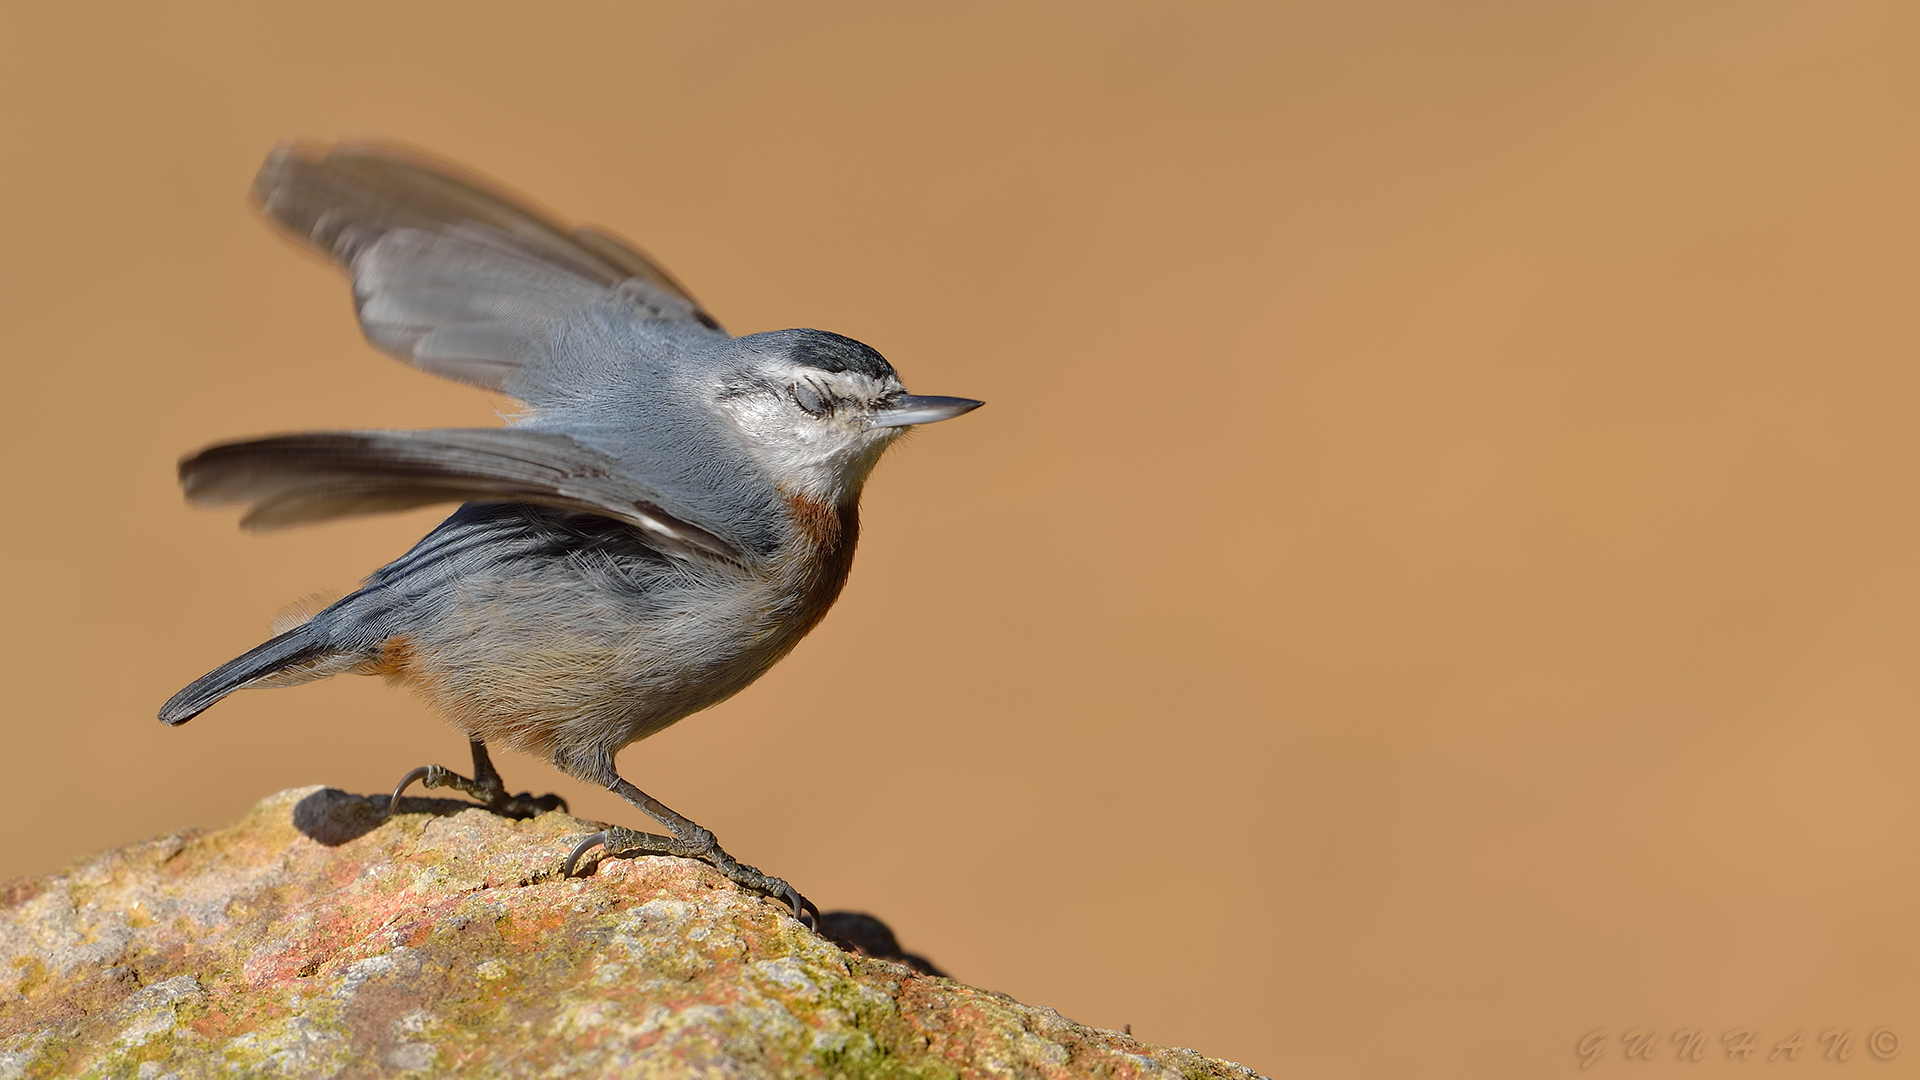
{"x": 316, "y": 938}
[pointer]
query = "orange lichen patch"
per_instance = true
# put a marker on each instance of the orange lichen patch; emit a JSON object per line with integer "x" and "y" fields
{"x": 342, "y": 941}
{"x": 223, "y": 1018}
{"x": 529, "y": 927}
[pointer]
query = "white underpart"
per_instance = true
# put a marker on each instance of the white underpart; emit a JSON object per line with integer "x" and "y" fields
{"x": 826, "y": 458}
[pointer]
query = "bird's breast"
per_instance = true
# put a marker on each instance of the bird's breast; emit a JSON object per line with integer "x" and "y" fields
{"x": 822, "y": 556}
{"x": 552, "y": 650}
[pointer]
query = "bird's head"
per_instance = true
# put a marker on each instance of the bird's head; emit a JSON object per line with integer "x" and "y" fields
{"x": 816, "y": 410}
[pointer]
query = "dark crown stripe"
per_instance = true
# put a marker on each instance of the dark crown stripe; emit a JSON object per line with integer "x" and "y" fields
{"x": 832, "y": 352}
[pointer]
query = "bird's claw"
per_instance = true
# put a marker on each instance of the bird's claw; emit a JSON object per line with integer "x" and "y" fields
{"x": 407, "y": 781}
{"x": 804, "y": 910}
{"x": 621, "y": 841}
{"x": 489, "y": 794}
{"x": 585, "y": 845}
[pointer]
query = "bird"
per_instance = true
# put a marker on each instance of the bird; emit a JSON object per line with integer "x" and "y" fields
{"x": 671, "y": 510}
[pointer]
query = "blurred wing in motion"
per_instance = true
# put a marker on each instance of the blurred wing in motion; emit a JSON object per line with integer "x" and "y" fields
{"x": 317, "y": 476}
{"x": 450, "y": 273}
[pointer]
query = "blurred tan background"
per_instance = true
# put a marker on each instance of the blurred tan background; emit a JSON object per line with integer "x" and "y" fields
{"x": 1438, "y": 574}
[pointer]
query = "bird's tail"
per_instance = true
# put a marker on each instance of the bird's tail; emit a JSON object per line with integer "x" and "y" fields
{"x": 299, "y": 647}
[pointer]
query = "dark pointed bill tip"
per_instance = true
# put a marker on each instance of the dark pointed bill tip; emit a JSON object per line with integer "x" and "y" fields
{"x": 908, "y": 409}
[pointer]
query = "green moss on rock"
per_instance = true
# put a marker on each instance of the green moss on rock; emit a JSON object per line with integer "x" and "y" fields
{"x": 317, "y": 939}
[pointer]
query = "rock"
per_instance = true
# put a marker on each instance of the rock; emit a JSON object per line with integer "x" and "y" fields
{"x": 315, "y": 938}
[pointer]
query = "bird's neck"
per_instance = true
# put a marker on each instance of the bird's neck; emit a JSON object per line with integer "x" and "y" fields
{"x": 824, "y": 538}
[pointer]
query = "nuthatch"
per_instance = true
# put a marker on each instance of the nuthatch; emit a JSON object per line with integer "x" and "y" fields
{"x": 674, "y": 510}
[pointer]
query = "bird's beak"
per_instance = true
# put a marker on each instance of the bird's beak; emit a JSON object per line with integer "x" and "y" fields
{"x": 908, "y": 409}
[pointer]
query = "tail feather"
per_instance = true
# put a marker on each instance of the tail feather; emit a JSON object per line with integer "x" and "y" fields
{"x": 299, "y": 645}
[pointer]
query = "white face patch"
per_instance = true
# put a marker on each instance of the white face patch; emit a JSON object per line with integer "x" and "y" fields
{"x": 809, "y": 429}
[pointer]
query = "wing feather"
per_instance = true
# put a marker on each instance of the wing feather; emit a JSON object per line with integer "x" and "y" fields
{"x": 451, "y": 273}
{"x": 318, "y": 476}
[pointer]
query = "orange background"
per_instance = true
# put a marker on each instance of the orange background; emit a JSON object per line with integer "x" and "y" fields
{"x": 1438, "y": 573}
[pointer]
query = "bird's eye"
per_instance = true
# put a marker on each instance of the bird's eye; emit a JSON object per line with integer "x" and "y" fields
{"x": 808, "y": 400}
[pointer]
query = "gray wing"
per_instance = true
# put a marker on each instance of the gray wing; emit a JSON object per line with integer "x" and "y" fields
{"x": 317, "y": 476}
{"x": 450, "y": 273}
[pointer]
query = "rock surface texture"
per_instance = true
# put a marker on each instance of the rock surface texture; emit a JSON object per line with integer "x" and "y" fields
{"x": 316, "y": 939}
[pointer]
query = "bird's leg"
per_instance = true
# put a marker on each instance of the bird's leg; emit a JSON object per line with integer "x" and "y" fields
{"x": 485, "y": 786}
{"x": 689, "y": 841}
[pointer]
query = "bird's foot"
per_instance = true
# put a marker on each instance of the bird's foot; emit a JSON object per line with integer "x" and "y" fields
{"x": 618, "y": 841}
{"x": 485, "y": 786}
